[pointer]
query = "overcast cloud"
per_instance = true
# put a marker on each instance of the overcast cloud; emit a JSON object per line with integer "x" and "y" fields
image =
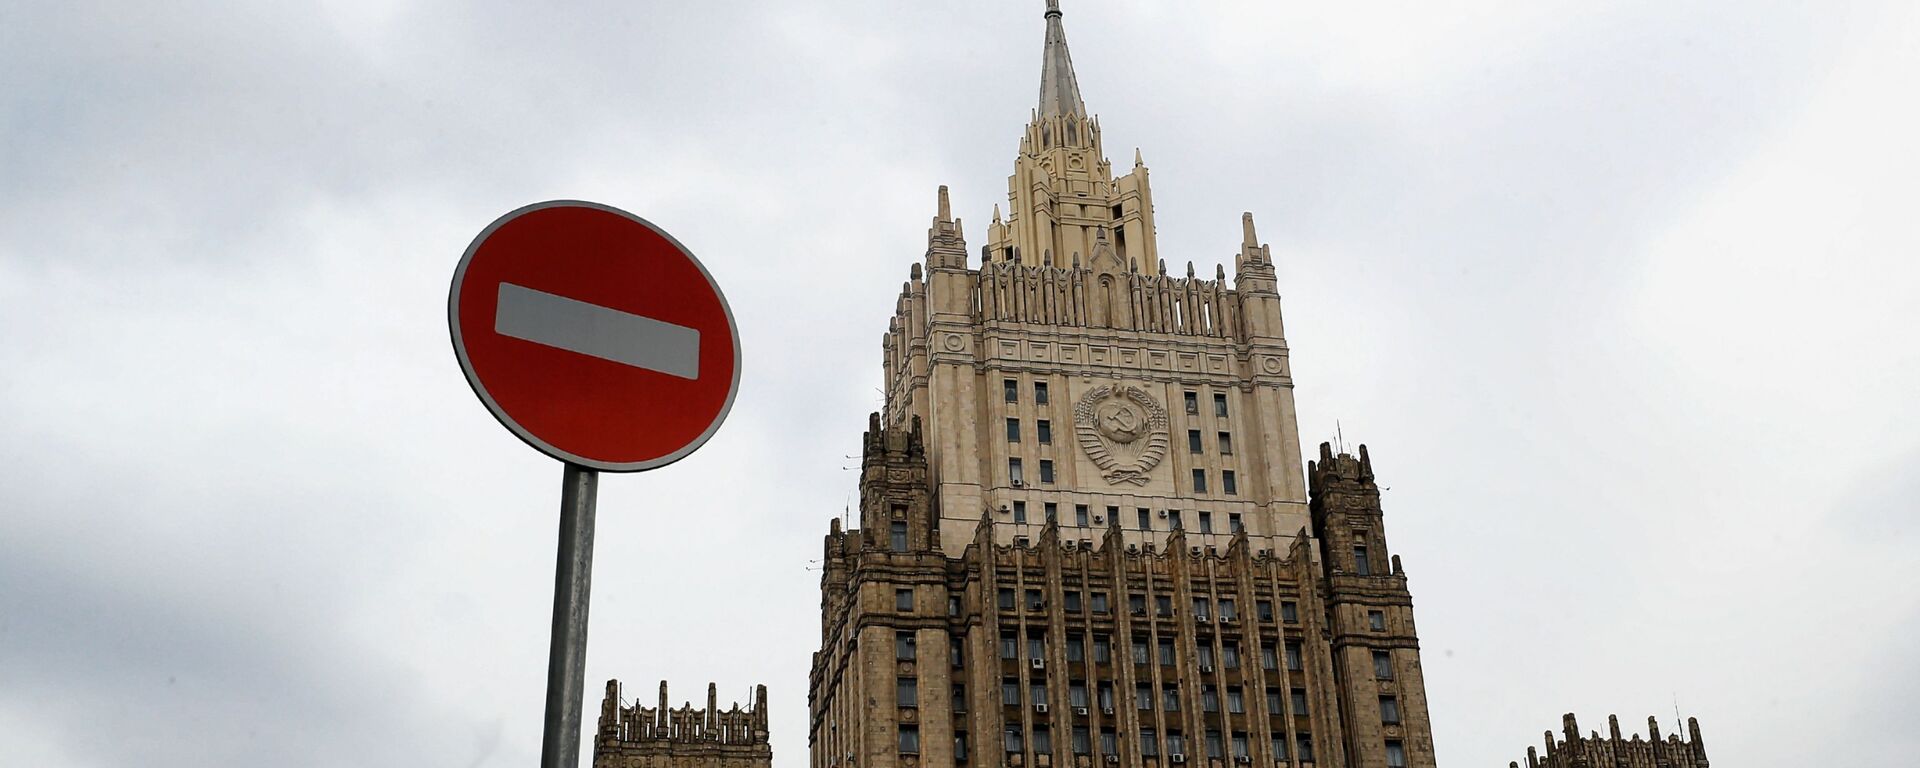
{"x": 1620, "y": 295}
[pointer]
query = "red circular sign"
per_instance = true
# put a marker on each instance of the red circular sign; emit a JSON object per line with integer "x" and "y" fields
{"x": 594, "y": 336}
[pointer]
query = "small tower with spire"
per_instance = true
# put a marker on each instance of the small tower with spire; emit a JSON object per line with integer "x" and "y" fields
{"x": 1063, "y": 198}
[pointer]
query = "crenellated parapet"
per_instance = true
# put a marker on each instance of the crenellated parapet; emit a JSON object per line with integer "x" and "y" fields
{"x": 661, "y": 736}
{"x": 1571, "y": 750}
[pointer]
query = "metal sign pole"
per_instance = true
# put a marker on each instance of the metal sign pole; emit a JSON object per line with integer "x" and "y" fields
{"x": 567, "y": 657}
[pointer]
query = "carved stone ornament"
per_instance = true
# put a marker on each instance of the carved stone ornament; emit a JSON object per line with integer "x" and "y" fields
{"x": 1123, "y": 431}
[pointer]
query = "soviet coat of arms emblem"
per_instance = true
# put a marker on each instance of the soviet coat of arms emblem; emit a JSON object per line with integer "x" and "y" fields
{"x": 1123, "y": 431}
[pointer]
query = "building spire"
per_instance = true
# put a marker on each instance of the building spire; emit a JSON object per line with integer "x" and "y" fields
{"x": 1059, "y": 92}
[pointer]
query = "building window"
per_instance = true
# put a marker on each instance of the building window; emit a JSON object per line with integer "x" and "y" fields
{"x": 1006, "y": 599}
{"x": 903, "y": 646}
{"x": 1137, "y": 604}
{"x": 1166, "y": 652}
{"x": 1193, "y": 441}
{"x": 1176, "y": 743}
{"x": 1051, "y": 509}
{"x": 1046, "y": 472}
{"x": 1019, "y": 509}
{"x": 1140, "y": 653}
{"x": 1081, "y": 743}
{"x": 1202, "y": 608}
{"x": 1209, "y": 699}
{"x": 1294, "y": 661}
{"x": 1289, "y": 611}
{"x": 1199, "y": 481}
{"x": 1102, "y": 649}
{"x": 1382, "y": 665}
{"x": 959, "y": 697}
{"x": 1226, "y": 443}
{"x": 1099, "y": 602}
{"x": 1173, "y": 520}
{"x": 1234, "y": 526}
{"x": 903, "y": 600}
{"x": 960, "y": 747}
{"x": 953, "y": 605}
{"x": 1193, "y": 404}
{"x": 1305, "y": 744}
{"x": 1113, "y": 516}
{"x": 1230, "y": 655}
{"x": 1263, "y": 607}
{"x": 1009, "y": 692}
{"x": 1146, "y": 519}
{"x": 1009, "y": 646}
{"x": 1077, "y": 694}
{"x": 1073, "y": 600}
{"x": 1206, "y": 522}
{"x": 1227, "y": 610}
{"x": 1279, "y": 747}
{"x": 1236, "y": 701}
{"x": 1170, "y": 698}
{"x": 1080, "y": 515}
{"x": 1299, "y": 702}
{"x": 1012, "y": 390}
{"x": 1205, "y": 655}
{"x": 1361, "y": 565}
{"x": 906, "y": 692}
{"x": 1044, "y": 430}
{"x": 1268, "y": 658}
{"x": 1036, "y": 600}
{"x": 1396, "y": 754}
{"x": 1037, "y": 692}
{"x": 1105, "y": 692}
{"x": 1040, "y": 392}
{"x": 1220, "y": 406}
{"x": 1143, "y": 696}
{"x": 1149, "y": 743}
{"x": 957, "y": 652}
{"x": 1076, "y": 648}
{"x": 1015, "y": 740}
{"x": 910, "y": 739}
{"x": 1377, "y": 621}
{"x": 1013, "y": 430}
{"x": 1014, "y": 472}
{"x": 1229, "y": 484}
{"x": 897, "y": 535}
{"x": 1273, "y": 701}
{"x": 1109, "y": 742}
{"x": 1389, "y": 709}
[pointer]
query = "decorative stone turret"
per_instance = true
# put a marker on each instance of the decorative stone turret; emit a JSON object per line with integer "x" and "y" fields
{"x": 1613, "y": 751}
{"x": 636, "y": 736}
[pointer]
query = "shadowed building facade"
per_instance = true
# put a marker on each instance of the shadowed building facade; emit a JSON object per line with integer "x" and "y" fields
{"x": 1087, "y": 535}
{"x": 637, "y": 736}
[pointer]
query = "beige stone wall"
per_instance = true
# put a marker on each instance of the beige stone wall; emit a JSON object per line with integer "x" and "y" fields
{"x": 638, "y": 736}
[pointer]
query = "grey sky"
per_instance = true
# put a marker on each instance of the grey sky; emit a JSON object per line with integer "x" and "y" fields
{"x": 1620, "y": 295}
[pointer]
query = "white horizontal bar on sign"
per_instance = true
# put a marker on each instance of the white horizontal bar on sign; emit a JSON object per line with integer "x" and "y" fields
{"x": 596, "y": 331}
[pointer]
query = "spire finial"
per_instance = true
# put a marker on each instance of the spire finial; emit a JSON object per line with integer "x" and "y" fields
{"x": 1059, "y": 91}
{"x": 1247, "y": 237}
{"x": 946, "y": 211}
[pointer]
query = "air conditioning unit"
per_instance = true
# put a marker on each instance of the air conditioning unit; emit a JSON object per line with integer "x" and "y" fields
{"x": 1242, "y": 759}
{"x": 1266, "y": 553}
{"x": 1133, "y": 549}
{"x": 1177, "y": 757}
{"x": 1226, "y": 619}
{"x": 1200, "y": 617}
{"x": 1017, "y": 483}
{"x": 1106, "y": 711}
{"x": 1195, "y": 551}
{"x": 1040, "y": 708}
{"x": 1206, "y": 669}
{"x": 1039, "y": 663}
{"x": 1081, "y": 711}
{"x": 1163, "y": 514}
{"x": 1098, "y": 519}
{"x": 1113, "y": 758}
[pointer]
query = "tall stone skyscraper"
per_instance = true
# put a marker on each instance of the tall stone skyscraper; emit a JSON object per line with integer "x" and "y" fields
{"x": 1086, "y": 535}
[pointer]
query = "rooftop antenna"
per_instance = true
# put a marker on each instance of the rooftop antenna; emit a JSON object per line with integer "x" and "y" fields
{"x": 1339, "y": 437}
{"x": 1679, "y": 724}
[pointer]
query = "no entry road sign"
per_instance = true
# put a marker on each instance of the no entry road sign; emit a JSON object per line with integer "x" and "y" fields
{"x": 594, "y": 336}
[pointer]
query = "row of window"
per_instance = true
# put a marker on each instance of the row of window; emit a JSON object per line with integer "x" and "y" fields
{"x": 1043, "y": 432}
{"x": 1017, "y": 476}
{"x": 1014, "y": 742}
{"x": 1010, "y": 391}
{"x": 1143, "y": 517}
{"x": 905, "y": 650}
{"x": 1163, "y": 605}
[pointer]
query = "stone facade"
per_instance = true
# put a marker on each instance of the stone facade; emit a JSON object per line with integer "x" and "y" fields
{"x": 1612, "y": 751}
{"x": 635, "y": 736}
{"x": 1085, "y": 535}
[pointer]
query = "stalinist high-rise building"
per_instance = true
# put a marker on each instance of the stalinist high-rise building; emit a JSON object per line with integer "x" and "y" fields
{"x": 1087, "y": 535}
